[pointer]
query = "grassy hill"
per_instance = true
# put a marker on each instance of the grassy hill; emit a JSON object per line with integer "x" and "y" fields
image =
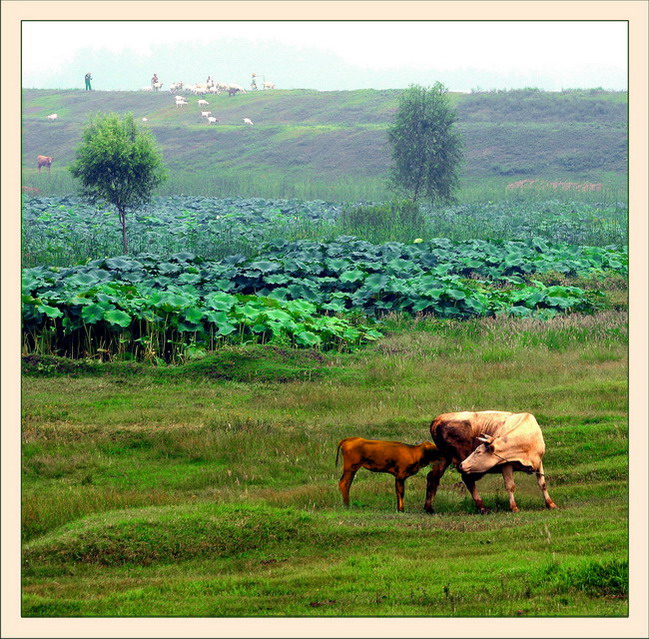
{"x": 307, "y": 143}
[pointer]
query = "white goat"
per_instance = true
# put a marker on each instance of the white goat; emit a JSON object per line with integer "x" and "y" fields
{"x": 268, "y": 85}
{"x": 211, "y": 120}
{"x": 203, "y": 103}
{"x": 145, "y": 119}
{"x": 247, "y": 121}
{"x": 206, "y": 114}
{"x": 147, "y": 88}
{"x": 180, "y": 103}
{"x": 52, "y": 117}
{"x": 157, "y": 86}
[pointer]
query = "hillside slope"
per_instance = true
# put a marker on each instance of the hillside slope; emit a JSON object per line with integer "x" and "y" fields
{"x": 326, "y": 137}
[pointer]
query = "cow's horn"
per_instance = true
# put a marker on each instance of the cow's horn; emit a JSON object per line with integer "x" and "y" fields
{"x": 485, "y": 438}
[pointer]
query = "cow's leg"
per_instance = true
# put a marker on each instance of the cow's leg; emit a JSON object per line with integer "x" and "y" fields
{"x": 346, "y": 481}
{"x": 400, "y": 486}
{"x": 540, "y": 478}
{"x": 508, "y": 476}
{"x": 469, "y": 482}
{"x": 432, "y": 483}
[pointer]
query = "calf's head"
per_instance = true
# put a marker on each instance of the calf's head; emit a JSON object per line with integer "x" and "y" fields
{"x": 430, "y": 452}
{"x": 484, "y": 457}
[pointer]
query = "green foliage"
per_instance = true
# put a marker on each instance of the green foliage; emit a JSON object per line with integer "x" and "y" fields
{"x": 304, "y": 294}
{"x": 63, "y": 231}
{"x": 426, "y": 146}
{"x": 118, "y": 162}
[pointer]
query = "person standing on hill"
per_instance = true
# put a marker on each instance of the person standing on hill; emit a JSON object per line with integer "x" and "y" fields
{"x": 88, "y": 78}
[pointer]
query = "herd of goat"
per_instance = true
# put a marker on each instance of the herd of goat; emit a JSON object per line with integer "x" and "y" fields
{"x": 210, "y": 87}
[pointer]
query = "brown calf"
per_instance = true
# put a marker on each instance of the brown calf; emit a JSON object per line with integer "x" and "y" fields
{"x": 44, "y": 160}
{"x": 400, "y": 460}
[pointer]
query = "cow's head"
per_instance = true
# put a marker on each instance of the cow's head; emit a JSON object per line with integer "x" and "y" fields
{"x": 484, "y": 457}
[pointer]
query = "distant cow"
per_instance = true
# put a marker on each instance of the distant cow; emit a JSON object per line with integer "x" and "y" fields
{"x": 487, "y": 442}
{"x": 44, "y": 160}
{"x": 400, "y": 460}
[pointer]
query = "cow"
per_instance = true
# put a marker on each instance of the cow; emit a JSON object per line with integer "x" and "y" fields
{"x": 400, "y": 460}
{"x": 44, "y": 160}
{"x": 487, "y": 442}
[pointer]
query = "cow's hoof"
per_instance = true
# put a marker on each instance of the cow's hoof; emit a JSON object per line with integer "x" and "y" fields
{"x": 430, "y": 511}
{"x": 514, "y": 509}
{"x": 483, "y": 511}
{"x": 551, "y": 505}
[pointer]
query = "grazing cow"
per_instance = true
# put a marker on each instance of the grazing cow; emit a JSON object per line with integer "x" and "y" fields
{"x": 400, "y": 460}
{"x": 44, "y": 160}
{"x": 487, "y": 442}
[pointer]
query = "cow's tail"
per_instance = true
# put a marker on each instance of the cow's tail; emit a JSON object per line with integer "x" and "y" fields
{"x": 338, "y": 453}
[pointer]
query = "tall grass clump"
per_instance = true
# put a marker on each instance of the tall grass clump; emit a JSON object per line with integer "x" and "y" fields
{"x": 595, "y": 578}
{"x": 398, "y": 221}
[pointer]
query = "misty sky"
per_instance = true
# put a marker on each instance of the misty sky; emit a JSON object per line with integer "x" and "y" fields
{"x": 328, "y": 55}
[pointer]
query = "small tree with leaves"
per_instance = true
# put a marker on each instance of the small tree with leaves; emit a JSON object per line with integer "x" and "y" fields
{"x": 426, "y": 146}
{"x": 119, "y": 163}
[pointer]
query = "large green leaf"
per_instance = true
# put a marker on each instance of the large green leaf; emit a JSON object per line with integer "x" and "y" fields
{"x": 93, "y": 313}
{"x": 115, "y": 316}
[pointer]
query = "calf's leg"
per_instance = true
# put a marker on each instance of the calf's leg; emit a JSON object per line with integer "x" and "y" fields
{"x": 346, "y": 481}
{"x": 400, "y": 486}
{"x": 508, "y": 476}
{"x": 432, "y": 483}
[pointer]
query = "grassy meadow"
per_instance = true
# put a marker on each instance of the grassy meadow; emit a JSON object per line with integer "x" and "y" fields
{"x": 175, "y": 479}
{"x": 194, "y": 491}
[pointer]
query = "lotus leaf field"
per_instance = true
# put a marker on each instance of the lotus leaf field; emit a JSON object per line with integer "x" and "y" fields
{"x": 66, "y": 230}
{"x": 329, "y": 294}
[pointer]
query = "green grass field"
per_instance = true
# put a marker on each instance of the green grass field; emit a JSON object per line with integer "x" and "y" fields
{"x": 333, "y": 144}
{"x": 176, "y": 491}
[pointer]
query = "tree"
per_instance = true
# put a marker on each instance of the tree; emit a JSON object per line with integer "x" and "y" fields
{"x": 119, "y": 163}
{"x": 426, "y": 146}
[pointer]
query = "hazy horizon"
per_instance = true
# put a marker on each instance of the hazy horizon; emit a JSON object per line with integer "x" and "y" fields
{"x": 327, "y": 55}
